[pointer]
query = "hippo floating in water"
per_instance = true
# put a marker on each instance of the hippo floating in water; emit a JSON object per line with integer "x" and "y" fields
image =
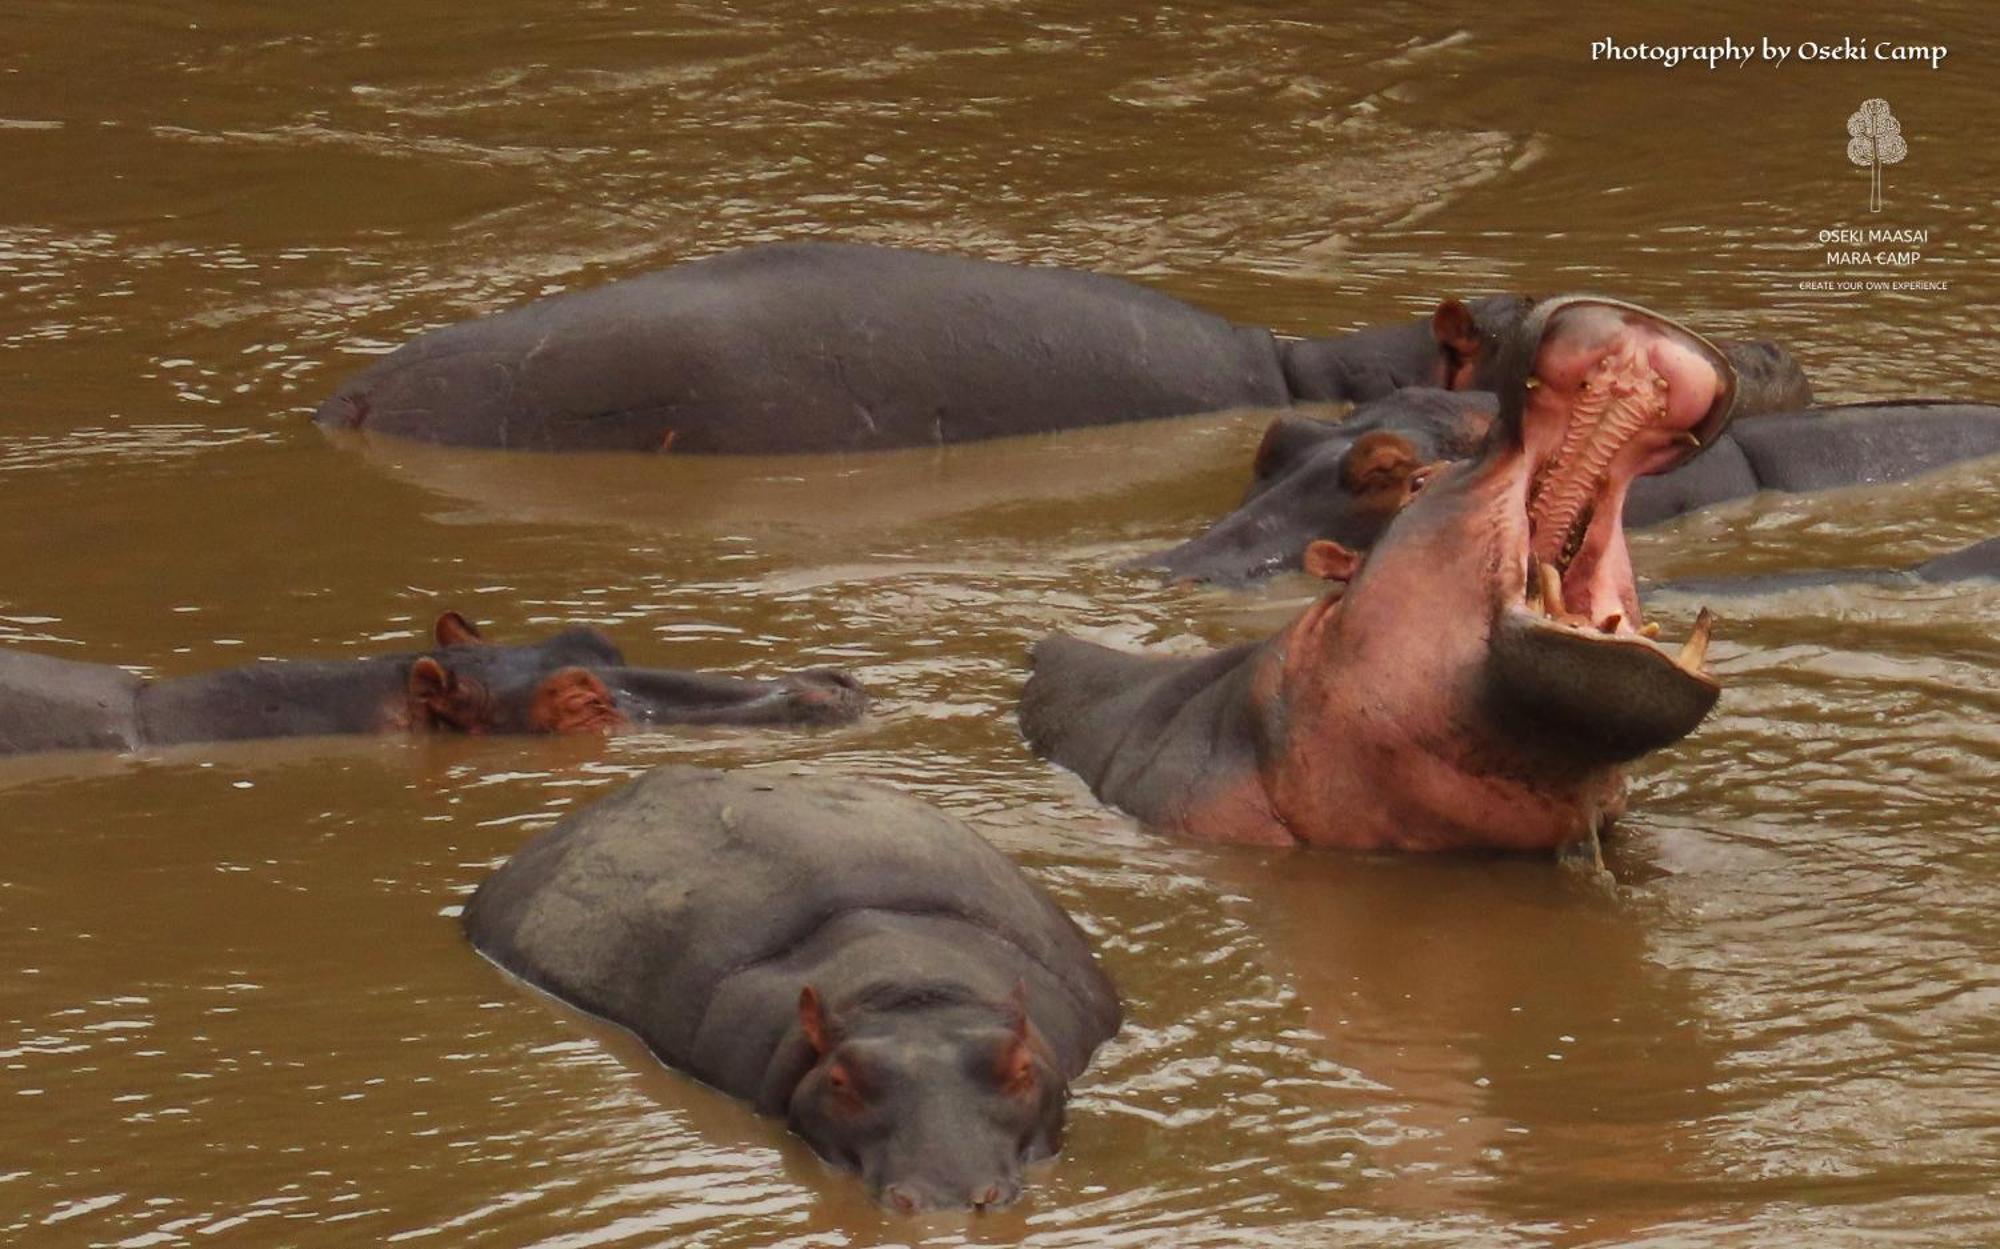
{"x": 816, "y": 347}
{"x": 574, "y": 682}
{"x": 1487, "y": 671}
{"x": 1343, "y": 480}
{"x": 1978, "y": 562}
{"x": 839, "y": 954}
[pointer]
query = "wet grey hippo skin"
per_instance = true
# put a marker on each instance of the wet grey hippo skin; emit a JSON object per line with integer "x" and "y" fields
{"x": 836, "y": 953}
{"x": 816, "y": 347}
{"x": 1844, "y": 445}
{"x": 1978, "y": 562}
{"x": 1303, "y": 483}
{"x": 576, "y": 681}
{"x": 1487, "y": 671}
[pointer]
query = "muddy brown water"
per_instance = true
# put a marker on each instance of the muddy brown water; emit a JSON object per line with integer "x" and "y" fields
{"x": 234, "y": 1004}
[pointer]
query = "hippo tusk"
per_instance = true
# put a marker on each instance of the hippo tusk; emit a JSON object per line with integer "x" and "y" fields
{"x": 1650, "y": 630}
{"x": 1552, "y": 589}
{"x": 1695, "y": 649}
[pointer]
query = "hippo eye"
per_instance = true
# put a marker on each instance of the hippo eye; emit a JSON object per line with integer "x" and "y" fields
{"x": 841, "y": 1083}
{"x": 1422, "y": 477}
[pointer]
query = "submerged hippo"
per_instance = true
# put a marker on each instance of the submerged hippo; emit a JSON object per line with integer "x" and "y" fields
{"x": 1344, "y": 480}
{"x": 576, "y": 681}
{"x": 815, "y": 347}
{"x": 1487, "y": 670}
{"x": 839, "y": 954}
{"x": 1978, "y": 562}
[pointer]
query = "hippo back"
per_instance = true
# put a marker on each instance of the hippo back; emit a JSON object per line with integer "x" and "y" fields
{"x": 60, "y": 704}
{"x": 692, "y": 894}
{"x": 1853, "y": 444}
{"x": 813, "y": 347}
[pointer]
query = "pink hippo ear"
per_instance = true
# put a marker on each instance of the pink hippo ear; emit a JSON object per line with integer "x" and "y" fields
{"x": 821, "y": 1032}
{"x": 1379, "y": 461}
{"x": 434, "y": 698}
{"x": 1330, "y": 561}
{"x": 1016, "y": 1067}
{"x": 453, "y": 629}
{"x": 1458, "y": 341}
{"x": 573, "y": 700}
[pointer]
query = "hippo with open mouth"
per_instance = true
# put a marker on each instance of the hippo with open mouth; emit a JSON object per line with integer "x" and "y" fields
{"x": 1345, "y": 480}
{"x": 1486, "y": 672}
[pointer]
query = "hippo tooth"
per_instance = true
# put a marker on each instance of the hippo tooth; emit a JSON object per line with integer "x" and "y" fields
{"x": 1695, "y": 649}
{"x": 1687, "y": 436}
{"x": 1651, "y": 629}
{"x": 1552, "y": 589}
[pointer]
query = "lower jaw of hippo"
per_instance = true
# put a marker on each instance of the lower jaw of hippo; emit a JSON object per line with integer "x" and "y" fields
{"x": 1594, "y": 697}
{"x": 1614, "y": 396}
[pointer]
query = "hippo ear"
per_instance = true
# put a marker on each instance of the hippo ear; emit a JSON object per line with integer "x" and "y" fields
{"x": 573, "y": 700}
{"x": 1286, "y": 440}
{"x": 453, "y": 629}
{"x": 1330, "y": 561}
{"x": 1378, "y": 460}
{"x": 1456, "y": 333}
{"x": 821, "y": 1031}
{"x": 428, "y": 693}
{"x": 1016, "y": 1068}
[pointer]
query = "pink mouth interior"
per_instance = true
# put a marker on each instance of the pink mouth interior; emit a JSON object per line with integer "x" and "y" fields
{"x": 1615, "y": 397}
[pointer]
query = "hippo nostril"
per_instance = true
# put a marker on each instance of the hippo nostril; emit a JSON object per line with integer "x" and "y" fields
{"x": 899, "y": 1199}
{"x": 989, "y": 1197}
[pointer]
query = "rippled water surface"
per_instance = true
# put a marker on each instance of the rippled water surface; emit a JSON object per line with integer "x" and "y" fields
{"x": 234, "y": 1004}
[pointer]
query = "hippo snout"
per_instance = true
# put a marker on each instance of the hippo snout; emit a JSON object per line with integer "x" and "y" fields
{"x": 917, "y": 1197}
{"x": 826, "y": 696}
{"x": 346, "y": 410}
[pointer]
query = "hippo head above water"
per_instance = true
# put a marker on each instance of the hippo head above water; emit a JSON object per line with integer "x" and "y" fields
{"x": 578, "y": 682}
{"x": 1530, "y": 534}
{"x": 1486, "y": 670}
{"x": 937, "y": 1107}
{"x": 1345, "y": 478}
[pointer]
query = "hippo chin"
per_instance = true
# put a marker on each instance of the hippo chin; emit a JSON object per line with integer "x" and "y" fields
{"x": 839, "y": 955}
{"x": 1487, "y": 670}
{"x": 575, "y": 682}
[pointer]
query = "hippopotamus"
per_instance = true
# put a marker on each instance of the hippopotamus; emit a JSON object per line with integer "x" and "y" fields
{"x": 1344, "y": 480}
{"x": 1487, "y": 671}
{"x": 1978, "y": 562}
{"x": 576, "y": 681}
{"x": 835, "y": 953}
{"x": 820, "y": 347}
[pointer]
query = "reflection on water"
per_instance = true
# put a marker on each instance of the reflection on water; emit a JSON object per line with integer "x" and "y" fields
{"x": 235, "y": 1002}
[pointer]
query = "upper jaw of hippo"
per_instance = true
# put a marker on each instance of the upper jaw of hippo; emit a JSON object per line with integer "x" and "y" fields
{"x": 1595, "y": 393}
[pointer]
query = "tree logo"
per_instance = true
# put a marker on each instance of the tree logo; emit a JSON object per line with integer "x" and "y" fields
{"x": 1877, "y": 140}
